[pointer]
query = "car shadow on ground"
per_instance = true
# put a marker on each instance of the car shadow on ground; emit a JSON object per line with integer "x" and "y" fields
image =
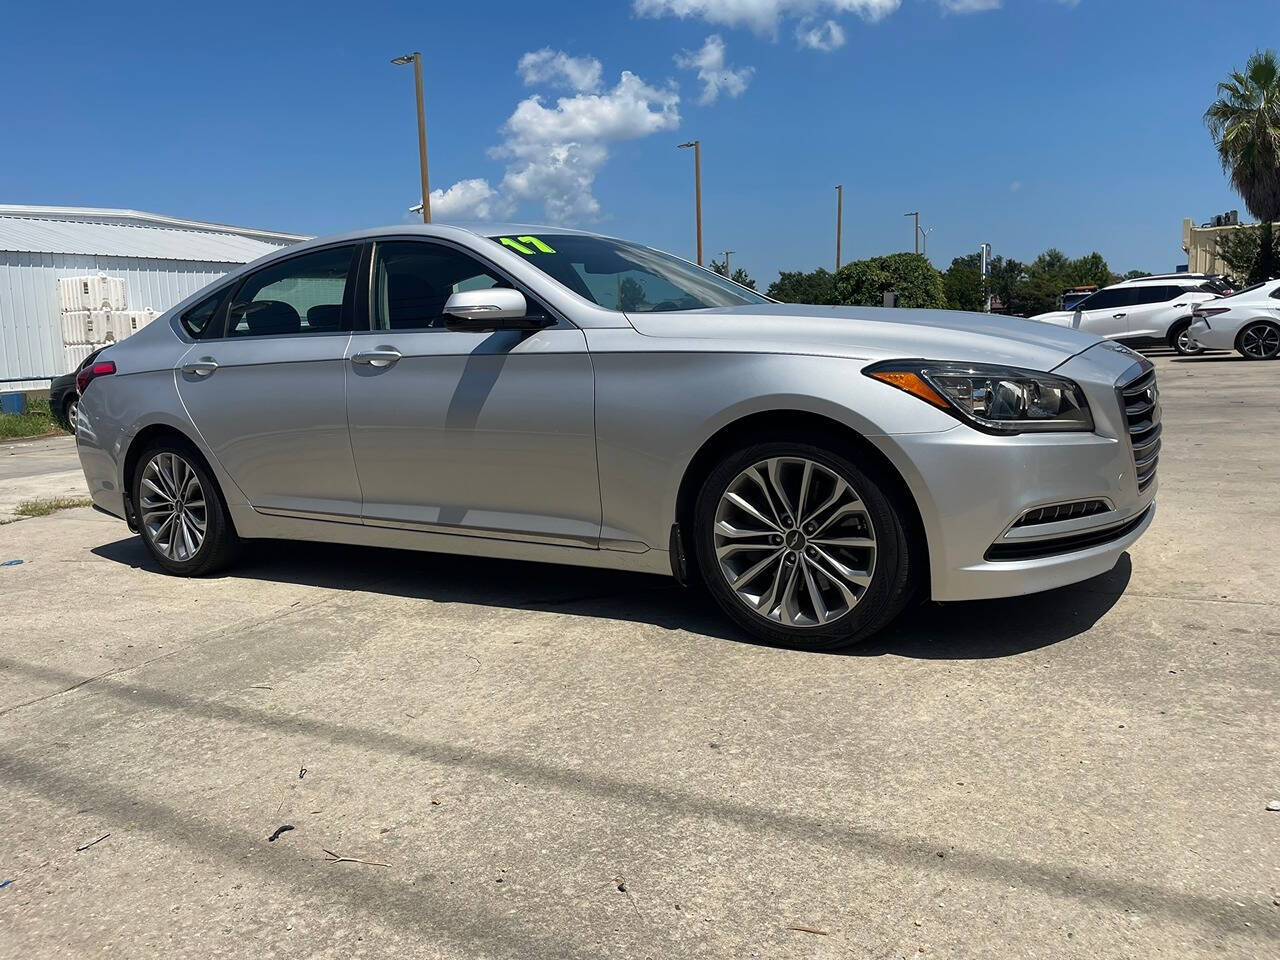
{"x": 937, "y": 631}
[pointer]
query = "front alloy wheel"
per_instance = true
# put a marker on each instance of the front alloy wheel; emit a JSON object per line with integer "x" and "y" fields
{"x": 1260, "y": 341}
{"x": 794, "y": 542}
{"x": 801, "y": 546}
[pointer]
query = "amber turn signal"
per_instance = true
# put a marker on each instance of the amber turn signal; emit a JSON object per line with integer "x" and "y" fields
{"x": 912, "y": 383}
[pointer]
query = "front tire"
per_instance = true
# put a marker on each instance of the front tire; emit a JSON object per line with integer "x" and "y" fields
{"x": 801, "y": 546}
{"x": 1259, "y": 340}
{"x": 181, "y": 518}
{"x": 1181, "y": 341}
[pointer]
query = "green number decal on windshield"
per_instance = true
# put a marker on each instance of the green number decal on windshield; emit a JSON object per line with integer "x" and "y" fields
{"x": 526, "y": 245}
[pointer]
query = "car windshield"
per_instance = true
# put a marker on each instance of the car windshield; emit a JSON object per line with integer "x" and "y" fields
{"x": 626, "y": 276}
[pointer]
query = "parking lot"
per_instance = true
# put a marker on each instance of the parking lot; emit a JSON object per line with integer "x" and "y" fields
{"x": 552, "y": 762}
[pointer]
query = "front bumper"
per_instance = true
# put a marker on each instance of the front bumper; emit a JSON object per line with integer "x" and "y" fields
{"x": 972, "y": 489}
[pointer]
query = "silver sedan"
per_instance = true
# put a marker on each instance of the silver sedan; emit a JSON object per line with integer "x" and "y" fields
{"x": 552, "y": 395}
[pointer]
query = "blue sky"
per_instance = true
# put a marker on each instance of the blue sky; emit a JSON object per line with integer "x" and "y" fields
{"x": 1026, "y": 123}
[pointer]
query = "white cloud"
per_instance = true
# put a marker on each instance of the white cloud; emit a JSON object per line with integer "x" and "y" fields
{"x": 715, "y": 74}
{"x": 1015, "y": 186}
{"x": 557, "y": 68}
{"x": 968, "y": 6}
{"x": 553, "y": 153}
{"x": 469, "y": 200}
{"x": 824, "y": 36}
{"x": 762, "y": 15}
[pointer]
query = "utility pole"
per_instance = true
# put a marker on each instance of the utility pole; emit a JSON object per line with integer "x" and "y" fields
{"x": 839, "y": 219}
{"x": 916, "y": 214}
{"x": 984, "y": 251}
{"x": 416, "y": 59}
{"x": 727, "y": 271}
{"x": 697, "y": 188}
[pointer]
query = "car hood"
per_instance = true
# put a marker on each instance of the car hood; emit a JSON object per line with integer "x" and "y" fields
{"x": 871, "y": 333}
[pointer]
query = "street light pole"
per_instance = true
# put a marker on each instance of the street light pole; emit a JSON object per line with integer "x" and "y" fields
{"x": 727, "y": 271}
{"x": 916, "y": 214}
{"x": 839, "y": 219}
{"x": 416, "y": 59}
{"x": 697, "y": 188}
{"x": 984, "y": 257}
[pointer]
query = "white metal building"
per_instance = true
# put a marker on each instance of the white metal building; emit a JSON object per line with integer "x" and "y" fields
{"x": 161, "y": 259}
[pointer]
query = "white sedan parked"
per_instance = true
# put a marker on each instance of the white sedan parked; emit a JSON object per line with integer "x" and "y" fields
{"x": 1248, "y": 322}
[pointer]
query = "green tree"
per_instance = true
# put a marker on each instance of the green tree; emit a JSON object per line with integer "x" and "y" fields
{"x": 1089, "y": 269}
{"x": 1136, "y": 274}
{"x": 739, "y": 276}
{"x": 1051, "y": 273}
{"x": 797, "y": 286}
{"x": 1241, "y": 250}
{"x": 962, "y": 283}
{"x": 1245, "y": 125}
{"x": 865, "y": 282}
{"x": 1007, "y": 282}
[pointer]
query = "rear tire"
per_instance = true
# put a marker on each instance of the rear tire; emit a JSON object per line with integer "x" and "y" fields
{"x": 1180, "y": 339}
{"x": 1259, "y": 340}
{"x": 818, "y": 570}
{"x": 181, "y": 516}
{"x": 67, "y": 415}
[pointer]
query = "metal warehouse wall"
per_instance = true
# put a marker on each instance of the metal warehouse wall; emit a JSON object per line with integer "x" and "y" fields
{"x": 30, "y": 328}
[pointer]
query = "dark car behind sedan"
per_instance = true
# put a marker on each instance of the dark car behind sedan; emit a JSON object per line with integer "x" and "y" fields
{"x": 63, "y": 395}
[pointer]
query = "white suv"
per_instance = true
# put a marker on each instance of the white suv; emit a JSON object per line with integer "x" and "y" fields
{"x": 1147, "y": 308}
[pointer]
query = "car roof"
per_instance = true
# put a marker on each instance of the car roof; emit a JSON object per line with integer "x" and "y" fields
{"x": 439, "y": 230}
{"x": 1163, "y": 280}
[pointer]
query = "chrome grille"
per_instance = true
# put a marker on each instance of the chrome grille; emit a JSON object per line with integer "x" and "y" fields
{"x": 1140, "y": 401}
{"x": 1062, "y": 511}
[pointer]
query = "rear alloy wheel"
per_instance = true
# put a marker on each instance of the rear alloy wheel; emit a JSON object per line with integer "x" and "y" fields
{"x": 1260, "y": 341}
{"x": 1181, "y": 340}
{"x": 180, "y": 513}
{"x": 72, "y": 410}
{"x": 800, "y": 547}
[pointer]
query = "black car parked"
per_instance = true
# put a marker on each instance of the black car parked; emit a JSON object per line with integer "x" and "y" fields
{"x": 63, "y": 395}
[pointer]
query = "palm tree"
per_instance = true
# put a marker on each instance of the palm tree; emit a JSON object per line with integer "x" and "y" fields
{"x": 1245, "y": 125}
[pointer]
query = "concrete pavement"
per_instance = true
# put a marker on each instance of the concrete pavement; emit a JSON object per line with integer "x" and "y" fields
{"x": 556, "y": 762}
{"x": 31, "y": 469}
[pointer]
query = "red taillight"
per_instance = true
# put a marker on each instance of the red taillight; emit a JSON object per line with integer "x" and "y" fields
{"x": 1209, "y": 311}
{"x": 101, "y": 368}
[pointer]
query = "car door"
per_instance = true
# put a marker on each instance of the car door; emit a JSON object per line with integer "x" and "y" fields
{"x": 477, "y": 433}
{"x": 1153, "y": 304}
{"x": 1106, "y": 313}
{"x": 266, "y": 391}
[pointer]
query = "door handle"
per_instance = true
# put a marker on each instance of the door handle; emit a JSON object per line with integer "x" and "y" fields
{"x": 382, "y": 357}
{"x": 1118, "y": 316}
{"x": 200, "y": 368}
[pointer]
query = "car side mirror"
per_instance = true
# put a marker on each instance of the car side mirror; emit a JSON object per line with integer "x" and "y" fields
{"x": 497, "y": 308}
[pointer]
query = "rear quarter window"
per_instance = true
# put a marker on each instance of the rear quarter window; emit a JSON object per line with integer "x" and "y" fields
{"x": 197, "y": 321}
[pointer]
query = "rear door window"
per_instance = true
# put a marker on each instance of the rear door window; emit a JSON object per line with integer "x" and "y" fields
{"x": 306, "y": 294}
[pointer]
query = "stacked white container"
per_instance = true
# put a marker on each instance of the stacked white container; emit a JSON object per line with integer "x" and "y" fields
{"x": 91, "y": 293}
{"x": 93, "y": 315}
{"x": 126, "y": 322}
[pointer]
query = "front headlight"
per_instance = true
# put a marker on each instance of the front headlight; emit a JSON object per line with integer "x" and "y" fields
{"x": 991, "y": 398}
